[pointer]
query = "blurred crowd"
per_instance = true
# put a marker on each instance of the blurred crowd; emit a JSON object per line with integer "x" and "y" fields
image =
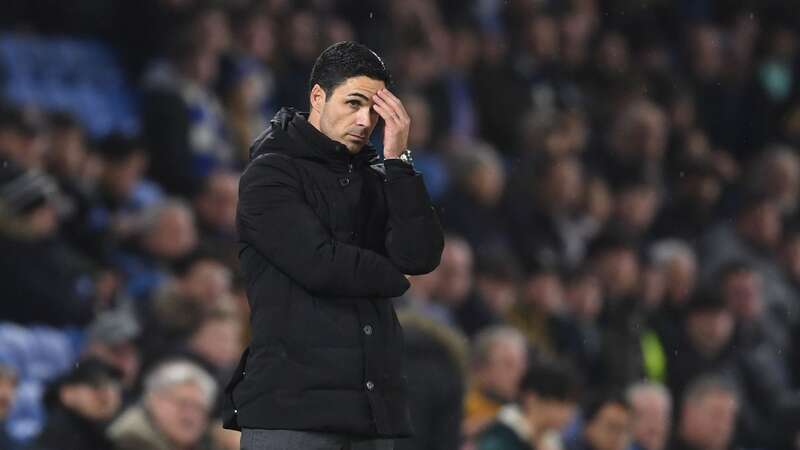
{"x": 618, "y": 180}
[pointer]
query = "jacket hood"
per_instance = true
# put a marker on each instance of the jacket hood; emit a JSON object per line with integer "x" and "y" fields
{"x": 290, "y": 133}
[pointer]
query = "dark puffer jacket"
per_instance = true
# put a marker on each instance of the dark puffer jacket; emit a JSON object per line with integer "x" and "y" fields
{"x": 325, "y": 239}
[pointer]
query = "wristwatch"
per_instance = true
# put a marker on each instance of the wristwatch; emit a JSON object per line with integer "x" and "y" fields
{"x": 406, "y": 157}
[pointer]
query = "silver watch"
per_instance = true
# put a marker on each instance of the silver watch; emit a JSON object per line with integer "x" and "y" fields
{"x": 406, "y": 157}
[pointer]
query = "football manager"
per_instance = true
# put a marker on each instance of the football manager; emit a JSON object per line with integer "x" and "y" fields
{"x": 328, "y": 232}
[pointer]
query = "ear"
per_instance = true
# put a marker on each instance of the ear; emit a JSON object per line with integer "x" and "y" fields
{"x": 317, "y": 98}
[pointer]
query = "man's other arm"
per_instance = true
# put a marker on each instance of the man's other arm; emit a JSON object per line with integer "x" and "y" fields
{"x": 274, "y": 217}
{"x": 414, "y": 239}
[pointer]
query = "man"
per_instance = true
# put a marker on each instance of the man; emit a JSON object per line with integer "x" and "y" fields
{"x": 708, "y": 415}
{"x": 327, "y": 234}
{"x": 80, "y": 405}
{"x": 499, "y": 361}
{"x": 607, "y": 424}
{"x": 651, "y": 406}
{"x": 173, "y": 413}
{"x": 546, "y": 403}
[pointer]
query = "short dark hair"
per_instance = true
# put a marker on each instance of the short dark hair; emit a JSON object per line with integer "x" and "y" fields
{"x": 551, "y": 381}
{"x": 343, "y": 60}
{"x": 595, "y": 403}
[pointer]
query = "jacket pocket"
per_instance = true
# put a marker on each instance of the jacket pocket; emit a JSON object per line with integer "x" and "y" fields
{"x": 229, "y": 411}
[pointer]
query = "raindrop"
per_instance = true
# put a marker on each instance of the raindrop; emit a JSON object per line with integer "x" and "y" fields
{"x": 371, "y": 14}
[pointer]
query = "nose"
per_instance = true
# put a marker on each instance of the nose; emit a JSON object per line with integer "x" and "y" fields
{"x": 364, "y": 117}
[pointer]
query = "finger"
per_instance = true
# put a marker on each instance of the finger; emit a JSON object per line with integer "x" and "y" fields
{"x": 385, "y": 113}
{"x": 396, "y": 102}
{"x": 388, "y": 108}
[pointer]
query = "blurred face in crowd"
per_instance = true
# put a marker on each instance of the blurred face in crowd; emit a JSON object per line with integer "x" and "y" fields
{"x": 610, "y": 429}
{"x": 545, "y": 292}
{"x": 710, "y": 330}
{"x": 636, "y": 207}
{"x": 618, "y": 270}
{"x": 547, "y": 414}
{"x": 97, "y": 402}
{"x": 207, "y": 281}
{"x": 614, "y": 55}
{"x": 742, "y": 292}
{"x": 563, "y": 185}
{"x": 455, "y": 272}
{"x": 257, "y": 37}
{"x": 120, "y": 178}
{"x": 211, "y": 27}
{"x": 651, "y": 415}
{"x": 584, "y": 297}
{"x": 303, "y": 27}
{"x": 641, "y": 132}
{"x": 487, "y": 182}
{"x": 218, "y": 340}
{"x": 8, "y": 391}
{"x": 709, "y": 421}
{"x": 782, "y": 177}
{"x": 681, "y": 276}
{"x": 346, "y": 115}
{"x": 791, "y": 255}
{"x": 418, "y": 108}
{"x": 504, "y": 369}
{"x": 174, "y": 234}
{"x": 216, "y": 206}
{"x": 707, "y": 55}
{"x": 124, "y": 356}
{"x": 67, "y": 154}
{"x": 543, "y": 37}
{"x": 26, "y": 149}
{"x": 499, "y": 294}
{"x": 761, "y": 225}
{"x": 181, "y": 413}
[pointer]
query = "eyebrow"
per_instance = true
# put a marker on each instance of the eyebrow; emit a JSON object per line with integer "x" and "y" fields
{"x": 356, "y": 94}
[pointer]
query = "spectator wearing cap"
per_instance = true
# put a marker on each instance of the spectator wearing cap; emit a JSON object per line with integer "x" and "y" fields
{"x": 173, "y": 413}
{"x": 8, "y": 390}
{"x": 498, "y": 362}
{"x": 607, "y": 423}
{"x": 708, "y": 415}
{"x": 112, "y": 338}
{"x": 80, "y": 405}
{"x": 546, "y": 403}
{"x": 43, "y": 279}
{"x": 22, "y": 137}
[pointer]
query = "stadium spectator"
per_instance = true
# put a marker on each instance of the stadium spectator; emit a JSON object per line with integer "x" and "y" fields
{"x": 80, "y": 404}
{"x": 607, "y": 424}
{"x": 708, "y": 415}
{"x": 651, "y": 412}
{"x": 173, "y": 412}
{"x": 112, "y": 338}
{"x": 546, "y": 402}
{"x": 497, "y": 364}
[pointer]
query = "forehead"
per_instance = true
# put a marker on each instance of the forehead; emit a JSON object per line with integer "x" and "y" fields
{"x": 361, "y": 84}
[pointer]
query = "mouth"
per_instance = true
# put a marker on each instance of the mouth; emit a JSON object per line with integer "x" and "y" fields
{"x": 357, "y": 137}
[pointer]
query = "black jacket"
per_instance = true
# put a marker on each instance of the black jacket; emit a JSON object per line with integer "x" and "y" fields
{"x": 66, "y": 430}
{"x": 325, "y": 238}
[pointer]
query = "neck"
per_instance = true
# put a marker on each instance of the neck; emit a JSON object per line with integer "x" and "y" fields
{"x": 314, "y": 120}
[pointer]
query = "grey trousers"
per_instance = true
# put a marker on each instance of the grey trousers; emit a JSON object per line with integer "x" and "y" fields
{"x": 255, "y": 439}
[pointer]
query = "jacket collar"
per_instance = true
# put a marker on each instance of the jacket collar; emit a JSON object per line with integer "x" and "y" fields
{"x": 291, "y": 133}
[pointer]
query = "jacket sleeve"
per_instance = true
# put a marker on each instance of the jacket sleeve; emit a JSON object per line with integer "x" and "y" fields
{"x": 274, "y": 217}
{"x": 414, "y": 238}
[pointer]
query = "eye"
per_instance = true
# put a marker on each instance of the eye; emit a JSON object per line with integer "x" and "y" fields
{"x": 355, "y": 104}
